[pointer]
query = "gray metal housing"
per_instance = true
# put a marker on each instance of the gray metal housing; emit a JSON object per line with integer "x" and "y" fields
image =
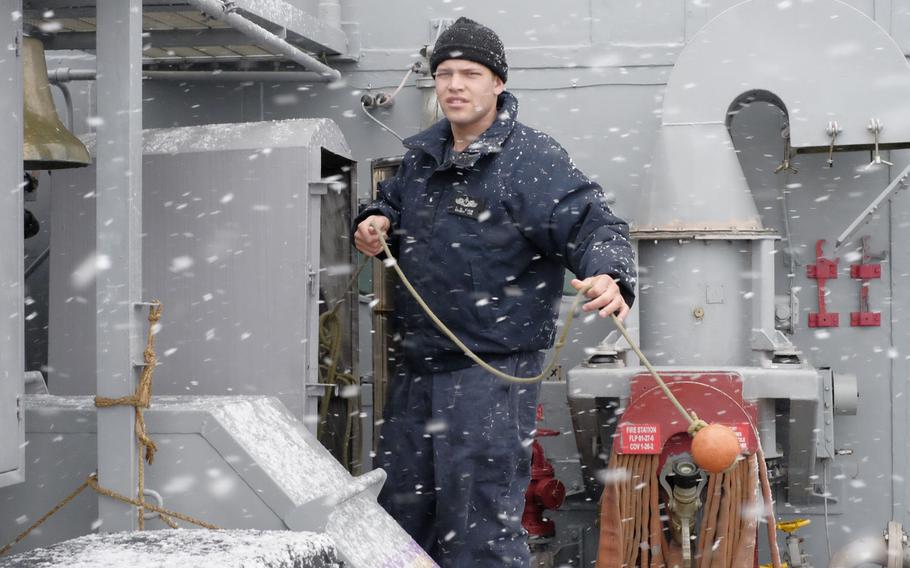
{"x": 231, "y": 222}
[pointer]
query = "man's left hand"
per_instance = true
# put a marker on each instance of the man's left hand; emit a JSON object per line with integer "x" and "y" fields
{"x": 604, "y": 295}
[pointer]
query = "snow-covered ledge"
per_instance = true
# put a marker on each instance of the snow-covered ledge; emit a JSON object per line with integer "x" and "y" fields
{"x": 238, "y": 462}
{"x": 197, "y": 548}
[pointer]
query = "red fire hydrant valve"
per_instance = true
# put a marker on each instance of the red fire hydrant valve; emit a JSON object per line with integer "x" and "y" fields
{"x": 544, "y": 492}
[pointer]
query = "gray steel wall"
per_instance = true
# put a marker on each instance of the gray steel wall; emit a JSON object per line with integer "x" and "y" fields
{"x": 820, "y": 203}
{"x": 591, "y": 73}
{"x": 12, "y": 348}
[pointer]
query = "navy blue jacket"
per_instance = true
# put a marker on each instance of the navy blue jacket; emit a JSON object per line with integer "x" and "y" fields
{"x": 485, "y": 237}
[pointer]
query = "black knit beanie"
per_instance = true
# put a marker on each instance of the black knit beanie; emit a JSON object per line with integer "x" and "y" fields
{"x": 466, "y": 39}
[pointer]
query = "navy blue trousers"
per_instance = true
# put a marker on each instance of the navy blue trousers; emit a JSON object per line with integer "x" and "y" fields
{"x": 456, "y": 448}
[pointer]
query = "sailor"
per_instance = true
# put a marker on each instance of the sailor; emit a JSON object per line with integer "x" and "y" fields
{"x": 484, "y": 215}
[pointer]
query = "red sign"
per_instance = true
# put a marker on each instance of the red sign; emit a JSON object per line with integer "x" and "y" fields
{"x": 639, "y": 439}
{"x": 646, "y": 439}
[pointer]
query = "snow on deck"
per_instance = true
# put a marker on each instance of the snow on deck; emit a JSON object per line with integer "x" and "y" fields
{"x": 184, "y": 548}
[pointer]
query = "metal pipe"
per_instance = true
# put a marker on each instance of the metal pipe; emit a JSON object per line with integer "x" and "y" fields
{"x": 330, "y": 12}
{"x": 63, "y": 75}
{"x": 899, "y": 182}
{"x": 347, "y": 11}
{"x": 118, "y": 229}
{"x": 351, "y": 27}
{"x": 226, "y": 12}
{"x": 277, "y": 76}
{"x": 866, "y": 550}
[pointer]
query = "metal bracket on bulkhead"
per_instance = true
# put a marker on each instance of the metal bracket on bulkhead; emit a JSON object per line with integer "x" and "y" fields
{"x": 822, "y": 270}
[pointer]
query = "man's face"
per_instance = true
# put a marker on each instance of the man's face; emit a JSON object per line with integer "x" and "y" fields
{"x": 467, "y": 92}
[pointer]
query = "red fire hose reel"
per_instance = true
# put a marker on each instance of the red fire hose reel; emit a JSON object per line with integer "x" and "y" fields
{"x": 649, "y": 425}
{"x": 544, "y": 492}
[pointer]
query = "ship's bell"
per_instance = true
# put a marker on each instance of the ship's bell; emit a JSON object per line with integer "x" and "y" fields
{"x": 48, "y": 145}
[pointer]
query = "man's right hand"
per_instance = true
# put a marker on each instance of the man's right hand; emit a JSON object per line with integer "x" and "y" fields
{"x": 366, "y": 238}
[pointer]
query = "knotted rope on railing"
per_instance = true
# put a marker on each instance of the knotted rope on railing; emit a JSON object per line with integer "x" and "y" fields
{"x": 140, "y": 400}
{"x": 91, "y": 481}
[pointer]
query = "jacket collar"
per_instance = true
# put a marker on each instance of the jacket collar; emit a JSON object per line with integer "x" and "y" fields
{"x": 435, "y": 140}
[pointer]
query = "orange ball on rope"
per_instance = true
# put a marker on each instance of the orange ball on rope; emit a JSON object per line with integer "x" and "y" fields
{"x": 715, "y": 448}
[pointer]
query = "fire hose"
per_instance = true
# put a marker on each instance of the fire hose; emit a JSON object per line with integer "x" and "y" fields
{"x": 631, "y": 529}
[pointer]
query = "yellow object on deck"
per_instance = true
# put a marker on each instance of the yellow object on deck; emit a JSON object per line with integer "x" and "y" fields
{"x": 792, "y": 526}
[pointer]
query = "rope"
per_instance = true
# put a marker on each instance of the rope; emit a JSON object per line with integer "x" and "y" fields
{"x": 330, "y": 352}
{"x": 93, "y": 483}
{"x": 560, "y": 343}
{"x": 403, "y": 81}
{"x": 168, "y": 521}
{"x": 165, "y": 515}
{"x": 694, "y": 423}
{"x": 66, "y": 500}
{"x": 330, "y": 344}
{"x": 140, "y": 400}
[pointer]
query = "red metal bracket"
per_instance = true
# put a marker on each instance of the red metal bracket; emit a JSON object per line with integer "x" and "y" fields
{"x": 822, "y": 270}
{"x": 865, "y": 271}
